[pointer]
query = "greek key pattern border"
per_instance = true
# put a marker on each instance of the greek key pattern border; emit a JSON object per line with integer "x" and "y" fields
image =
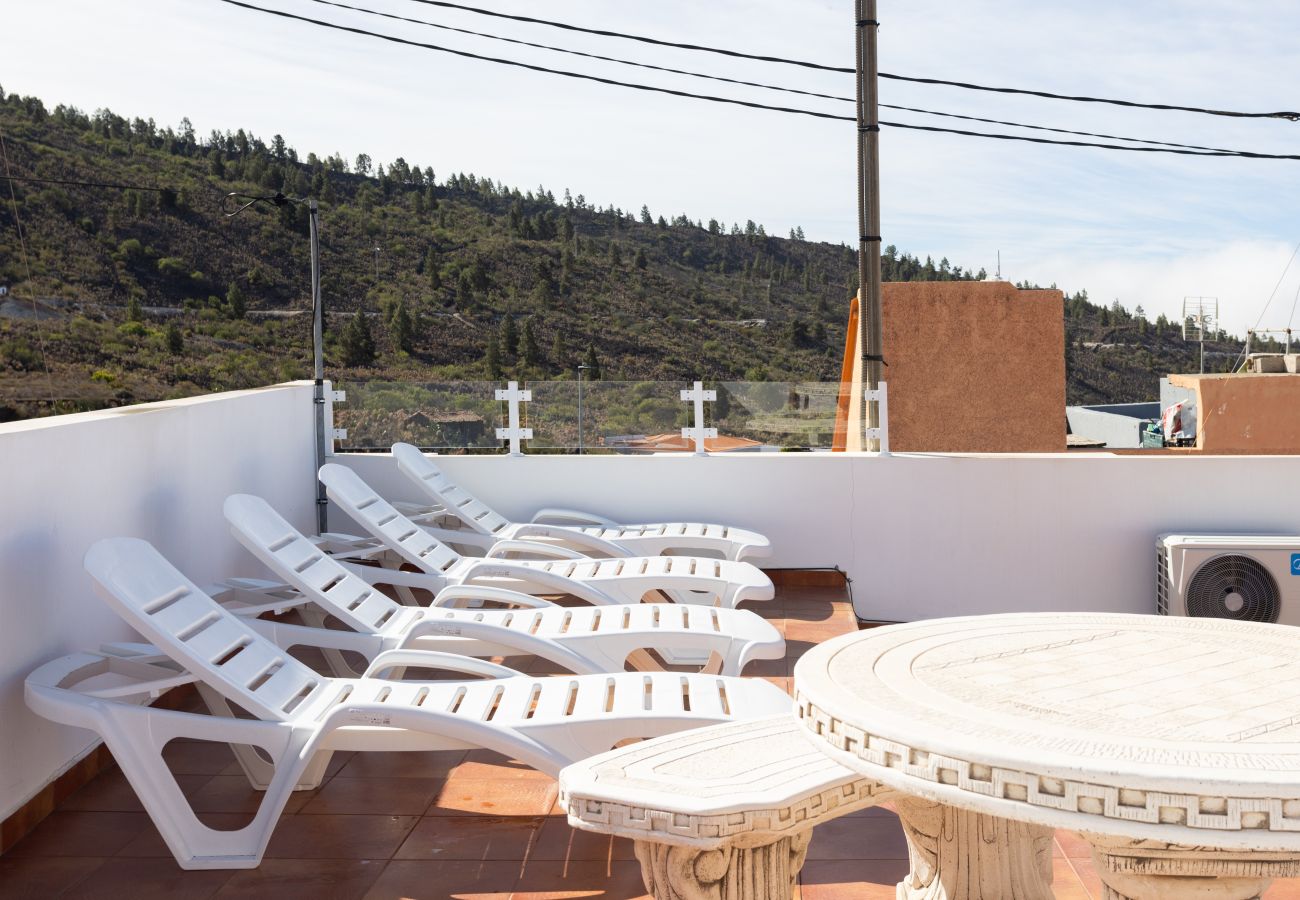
{"x": 1195, "y": 811}
{"x": 645, "y": 823}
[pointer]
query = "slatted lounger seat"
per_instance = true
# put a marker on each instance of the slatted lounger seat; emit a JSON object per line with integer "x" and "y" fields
{"x": 720, "y": 812}
{"x": 301, "y": 717}
{"x": 684, "y": 579}
{"x": 477, "y": 524}
{"x": 582, "y": 640}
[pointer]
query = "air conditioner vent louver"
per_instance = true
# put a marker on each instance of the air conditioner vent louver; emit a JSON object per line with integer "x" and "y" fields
{"x": 1233, "y": 586}
{"x": 1162, "y": 581}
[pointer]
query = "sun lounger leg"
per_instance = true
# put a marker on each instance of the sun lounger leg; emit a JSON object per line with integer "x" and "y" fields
{"x": 259, "y": 770}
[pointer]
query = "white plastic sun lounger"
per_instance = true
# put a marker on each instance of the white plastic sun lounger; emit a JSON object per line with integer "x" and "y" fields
{"x": 478, "y": 525}
{"x": 582, "y": 640}
{"x": 684, "y": 579}
{"x": 300, "y": 717}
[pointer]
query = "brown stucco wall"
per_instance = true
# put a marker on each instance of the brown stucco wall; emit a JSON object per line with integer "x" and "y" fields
{"x": 974, "y": 367}
{"x": 1245, "y": 413}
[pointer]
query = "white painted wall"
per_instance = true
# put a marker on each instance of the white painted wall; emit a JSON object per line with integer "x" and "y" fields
{"x": 158, "y": 471}
{"x": 920, "y": 535}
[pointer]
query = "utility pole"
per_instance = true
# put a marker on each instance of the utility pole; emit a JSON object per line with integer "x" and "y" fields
{"x": 870, "y": 339}
{"x": 318, "y": 364}
{"x": 582, "y": 367}
{"x": 377, "y": 252}
{"x": 279, "y": 200}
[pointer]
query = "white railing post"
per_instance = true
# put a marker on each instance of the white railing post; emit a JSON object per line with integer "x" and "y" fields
{"x": 513, "y": 396}
{"x": 881, "y": 399}
{"x": 334, "y": 434}
{"x": 698, "y": 394}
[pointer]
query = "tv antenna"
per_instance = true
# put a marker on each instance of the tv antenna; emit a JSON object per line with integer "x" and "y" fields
{"x": 998, "y": 277}
{"x": 1200, "y": 317}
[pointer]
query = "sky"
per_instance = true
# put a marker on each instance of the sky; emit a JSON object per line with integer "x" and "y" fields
{"x": 1144, "y": 229}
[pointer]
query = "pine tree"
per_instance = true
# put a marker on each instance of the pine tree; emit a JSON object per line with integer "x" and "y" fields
{"x": 646, "y": 218}
{"x": 592, "y": 362}
{"x": 529, "y": 353}
{"x": 615, "y": 254}
{"x": 175, "y": 340}
{"x": 134, "y": 312}
{"x": 431, "y": 269}
{"x": 559, "y": 353}
{"x": 356, "y": 342}
{"x": 492, "y": 359}
{"x": 509, "y": 336}
{"x": 639, "y": 260}
{"x": 236, "y": 305}
{"x": 403, "y": 328}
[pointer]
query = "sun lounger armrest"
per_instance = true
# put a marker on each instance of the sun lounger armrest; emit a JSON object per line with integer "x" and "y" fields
{"x": 500, "y": 548}
{"x": 433, "y": 659}
{"x": 461, "y": 592}
{"x": 559, "y": 515}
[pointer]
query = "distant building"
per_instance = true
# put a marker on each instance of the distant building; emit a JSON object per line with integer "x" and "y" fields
{"x": 1113, "y": 425}
{"x": 972, "y": 367}
{"x": 675, "y": 443}
{"x": 1239, "y": 413}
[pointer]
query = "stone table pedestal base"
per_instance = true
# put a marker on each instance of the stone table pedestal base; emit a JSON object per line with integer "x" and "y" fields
{"x": 960, "y": 855}
{"x": 766, "y": 871}
{"x": 1149, "y": 870}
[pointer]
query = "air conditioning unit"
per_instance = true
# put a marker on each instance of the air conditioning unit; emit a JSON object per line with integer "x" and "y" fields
{"x": 1248, "y": 577}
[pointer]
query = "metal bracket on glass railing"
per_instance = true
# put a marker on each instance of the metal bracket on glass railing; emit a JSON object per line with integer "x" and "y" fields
{"x": 513, "y": 396}
{"x": 699, "y": 395}
{"x": 338, "y": 396}
{"x": 881, "y": 399}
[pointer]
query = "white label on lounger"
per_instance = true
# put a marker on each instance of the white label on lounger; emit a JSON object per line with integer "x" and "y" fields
{"x": 493, "y": 572}
{"x": 445, "y": 630}
{"x": 367, "y": 717}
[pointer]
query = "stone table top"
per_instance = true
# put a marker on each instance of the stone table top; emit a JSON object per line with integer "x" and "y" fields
{"x": 1145, "y": 727}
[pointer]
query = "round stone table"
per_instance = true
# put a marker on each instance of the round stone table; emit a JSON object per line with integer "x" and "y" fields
{"x": 1171, "y": 744}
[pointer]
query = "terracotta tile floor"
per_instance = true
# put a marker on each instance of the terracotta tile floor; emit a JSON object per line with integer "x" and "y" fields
{"x": 442, "y": 825}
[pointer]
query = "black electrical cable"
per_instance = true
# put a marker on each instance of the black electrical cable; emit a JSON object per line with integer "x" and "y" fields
{"x": 94, "y": 184}
{"x": 754, "y": 84}
{"x": 446, "y": 4}
{"x": 1243, "y": 154}
{"x": 612, "y": 59}
{"x": 1292, "y": 116}
{"x": 1109, "y": 137}
{"x": 745, "y": 103}
{"x": 535, "y": 68}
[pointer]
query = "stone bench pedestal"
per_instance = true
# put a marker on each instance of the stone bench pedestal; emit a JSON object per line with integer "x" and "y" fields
{"x": 719, "y": 813}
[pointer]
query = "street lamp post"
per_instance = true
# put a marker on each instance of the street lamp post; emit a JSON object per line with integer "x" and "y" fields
{"x": 582, "y": 367}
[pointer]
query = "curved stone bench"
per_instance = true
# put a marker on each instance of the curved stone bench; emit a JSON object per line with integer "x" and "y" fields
{"x": 720, "y": 812}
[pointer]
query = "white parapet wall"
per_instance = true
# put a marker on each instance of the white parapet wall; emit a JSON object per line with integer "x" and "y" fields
{"x": 158, "y": 471}
{"x": 921, "y": 535}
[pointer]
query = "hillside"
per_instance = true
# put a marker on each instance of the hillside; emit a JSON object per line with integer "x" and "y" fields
{"x": 145, "y": 294}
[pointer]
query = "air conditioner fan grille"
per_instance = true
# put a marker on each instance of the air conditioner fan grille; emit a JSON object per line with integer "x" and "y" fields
{"x": 1233, "y": 587}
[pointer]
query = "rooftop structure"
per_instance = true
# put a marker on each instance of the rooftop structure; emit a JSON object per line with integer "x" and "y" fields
{"x": 973, "y": 367}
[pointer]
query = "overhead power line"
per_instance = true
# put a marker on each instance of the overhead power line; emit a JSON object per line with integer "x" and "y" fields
{"x": 93, "y": 184}
{"x": 535, "y": 68}
{"x": 446, "y": 4}
{"x": 755, "y": 84}
{"x": 1175, "y": 149}
{"x": 570, "y": 52}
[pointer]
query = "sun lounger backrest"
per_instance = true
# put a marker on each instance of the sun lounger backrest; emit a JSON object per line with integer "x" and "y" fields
{"x": 455, "y": 499}
{"x": 288, "y": 553}
{"x": 182, "y": 621}
{"x": 415, "y": 545}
